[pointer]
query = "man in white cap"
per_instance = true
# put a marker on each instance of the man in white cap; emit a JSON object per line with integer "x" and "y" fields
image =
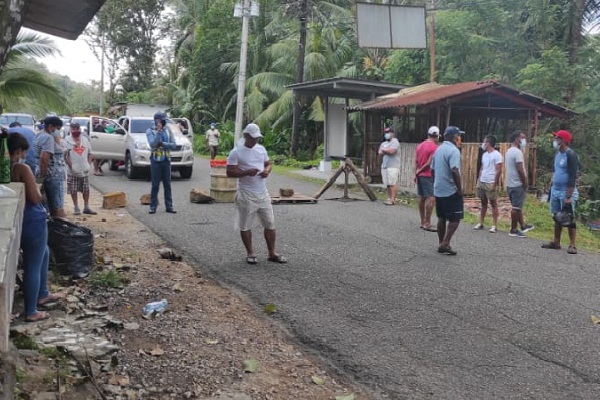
{"x": 423, "y": 177}
{"x": 249, "y": 162}
{"x": 212, "y": 139}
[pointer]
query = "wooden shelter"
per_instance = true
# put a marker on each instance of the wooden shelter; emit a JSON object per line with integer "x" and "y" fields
{"x": 479, "y": 108}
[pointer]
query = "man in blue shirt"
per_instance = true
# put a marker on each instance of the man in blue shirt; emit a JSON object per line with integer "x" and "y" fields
{"x": 447, "y": 188}
{"x": 563, "y": 193}
{"x": 15, "y": 127}
{"x": 161, "y": 142}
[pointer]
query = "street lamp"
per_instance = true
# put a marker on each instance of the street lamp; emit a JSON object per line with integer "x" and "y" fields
{"x": 245, "y": 10}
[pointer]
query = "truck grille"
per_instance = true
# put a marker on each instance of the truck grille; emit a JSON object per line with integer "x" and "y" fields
{"x": 176, "y": 159}
{"x": 178, "y": 148}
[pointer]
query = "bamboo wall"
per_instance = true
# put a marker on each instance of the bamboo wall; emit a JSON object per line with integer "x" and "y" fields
{"x": 470, "y": 162}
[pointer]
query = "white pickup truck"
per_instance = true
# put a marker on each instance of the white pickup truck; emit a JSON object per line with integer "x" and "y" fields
{"x": 125, "y": 140}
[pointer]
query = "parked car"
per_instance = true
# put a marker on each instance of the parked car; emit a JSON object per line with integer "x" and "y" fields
{"x": 137, "y": 156}
{"x": 25, "y": 120}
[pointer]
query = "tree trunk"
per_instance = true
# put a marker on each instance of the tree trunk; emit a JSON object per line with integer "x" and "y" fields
{"x": 11, "y": 20}
{"x": 574, "y": 44}
{"x": 296, "y": 119}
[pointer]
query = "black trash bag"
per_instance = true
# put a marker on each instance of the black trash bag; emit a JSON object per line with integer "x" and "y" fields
{"x": 72, "y": 247}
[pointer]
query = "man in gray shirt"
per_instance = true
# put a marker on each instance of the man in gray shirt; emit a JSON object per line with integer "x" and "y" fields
{"x": 516, "y": 183}
{"x": 390, "y": 165}
{"x": 447, "y": 189}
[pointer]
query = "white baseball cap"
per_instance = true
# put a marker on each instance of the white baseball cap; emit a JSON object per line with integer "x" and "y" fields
{"x": 253, "y": 130}
{"x": 433, "y": 131}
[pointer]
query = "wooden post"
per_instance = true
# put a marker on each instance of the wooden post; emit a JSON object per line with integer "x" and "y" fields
{"x": 346, "y": 167}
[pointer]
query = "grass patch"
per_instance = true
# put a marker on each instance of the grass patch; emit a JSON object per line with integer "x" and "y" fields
{"x": 24, "y": 342}
{"x": 106, "y": 279}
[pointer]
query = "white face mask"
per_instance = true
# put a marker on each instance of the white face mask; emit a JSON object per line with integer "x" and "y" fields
{"x": 523, "y": 143}
{"x": 387, "y": 136}
{"x": 555, "y": 144}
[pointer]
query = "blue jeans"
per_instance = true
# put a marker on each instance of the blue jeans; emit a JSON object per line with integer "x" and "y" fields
{"x": 34, "y": 243}
{"x": 55, "y": 193}
{"x": 161, "y": 171}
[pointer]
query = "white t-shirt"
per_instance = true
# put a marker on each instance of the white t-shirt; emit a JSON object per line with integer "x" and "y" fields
{"x": 513, "y": 156}
{"x": 246, "y": 158}
{"x": 212, "y": 135}
{"x": 488, "y": 166}
{"x": 78, "y": 155}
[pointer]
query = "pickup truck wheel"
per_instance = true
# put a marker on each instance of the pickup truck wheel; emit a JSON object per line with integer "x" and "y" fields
{"x": 185, "y": 172}
{"x": 113, "y": 166}
{"x": 130, "y": 171}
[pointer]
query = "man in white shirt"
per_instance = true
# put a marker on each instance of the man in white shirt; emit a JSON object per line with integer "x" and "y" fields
{"x": 390, "y": 164}
{"x": 487, "y": 185}
{"x": 212, "y": 139}
{"x": 516, "y": 183}
{"x": 249, "y": 162}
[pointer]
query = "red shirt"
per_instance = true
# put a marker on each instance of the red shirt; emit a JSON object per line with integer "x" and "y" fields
{"x": 424, "y": 152}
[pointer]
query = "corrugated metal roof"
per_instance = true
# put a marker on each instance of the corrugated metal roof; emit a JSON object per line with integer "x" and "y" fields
{"x": 431, "y": 93}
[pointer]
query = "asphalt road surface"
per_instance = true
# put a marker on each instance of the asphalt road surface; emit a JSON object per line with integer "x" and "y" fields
{"x": 366, "y": 289}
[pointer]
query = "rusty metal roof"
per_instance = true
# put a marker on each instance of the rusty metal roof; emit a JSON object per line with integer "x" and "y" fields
{"x": 62, "y": 18}
{"x": 487, "y": 94}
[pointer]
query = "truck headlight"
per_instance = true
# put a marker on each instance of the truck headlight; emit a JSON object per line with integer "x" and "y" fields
{"x": 186, "y": 146}
{"x": 141, "y": 146}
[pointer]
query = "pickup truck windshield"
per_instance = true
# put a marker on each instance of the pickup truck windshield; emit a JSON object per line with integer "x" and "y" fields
{"x": 22, "y": 119}
{"x": 141, "y": 125}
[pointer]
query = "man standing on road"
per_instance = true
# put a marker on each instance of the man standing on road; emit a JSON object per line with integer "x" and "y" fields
{"x": 564, "y": 193}
{"x": 50, "y": 158}
{"x": 423, "y": 178}
{"x": 78, "y": 157}
{"x": 212, "y": 139}
{"x": 447, "y": 189}
{"x": 15, "y": 127}
{"x": 161, "y": 143}
{"x": 516, "y": 183}
{"x": 487, "y": 185}
{"x": 390, "y": 165}
{"x": 249, "y": 162}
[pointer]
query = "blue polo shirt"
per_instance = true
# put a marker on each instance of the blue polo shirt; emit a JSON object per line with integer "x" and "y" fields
{"x": 445, "y": 158}
{"x": 30, "y": 136}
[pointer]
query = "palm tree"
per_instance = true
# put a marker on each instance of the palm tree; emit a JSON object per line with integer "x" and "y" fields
{"x": 20, "y": 82}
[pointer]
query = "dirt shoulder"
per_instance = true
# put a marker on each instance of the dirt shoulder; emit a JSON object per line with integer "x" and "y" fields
{"x": 203, "y": 347}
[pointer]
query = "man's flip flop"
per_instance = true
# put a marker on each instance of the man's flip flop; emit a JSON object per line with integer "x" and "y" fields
{"x": 447, "y": 251}
{"x": 278, "y": 259}
{"x": 251, "y": 260}
{"x": 38, "y": 316}
{"x": 429, "y": 229}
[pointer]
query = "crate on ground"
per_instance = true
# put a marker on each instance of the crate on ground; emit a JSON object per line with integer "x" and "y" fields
{"x": 114, "y": 200}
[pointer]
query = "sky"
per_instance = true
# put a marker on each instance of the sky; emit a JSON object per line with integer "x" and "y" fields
{"x": 77, "y": 60}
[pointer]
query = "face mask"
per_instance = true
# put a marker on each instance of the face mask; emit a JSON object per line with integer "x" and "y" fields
{"x": 387, "y": 136}
{"x": 523, "y": 143}
{"x": 555, "y": 144}
{"x": 55, "y": 133}
{"x": 483, "y": 146}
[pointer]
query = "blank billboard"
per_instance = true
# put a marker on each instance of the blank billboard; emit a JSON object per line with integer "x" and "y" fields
{"x": 390, "y": 26}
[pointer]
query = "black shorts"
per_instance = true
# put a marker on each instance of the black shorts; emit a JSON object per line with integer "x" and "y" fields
{"x": 450, "y": 208}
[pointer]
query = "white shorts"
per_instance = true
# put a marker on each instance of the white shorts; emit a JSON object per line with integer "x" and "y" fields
{"x": 390, "y": 176}
{"x": 248, "y": 205}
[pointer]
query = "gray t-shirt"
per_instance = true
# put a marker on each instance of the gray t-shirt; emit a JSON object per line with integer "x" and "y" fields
{"x": 513, "y": 156}
{"x": 390, "y": 160}
{"x": 446, "y": 157}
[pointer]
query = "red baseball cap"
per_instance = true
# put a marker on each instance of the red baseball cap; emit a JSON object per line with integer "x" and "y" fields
{"x": 564, "y": 135}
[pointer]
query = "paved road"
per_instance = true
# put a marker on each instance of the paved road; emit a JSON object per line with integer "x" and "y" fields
{"x": 366, "y": 289}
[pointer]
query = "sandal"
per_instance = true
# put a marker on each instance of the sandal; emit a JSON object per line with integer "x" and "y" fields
{"x": 430, "y": 228}
{"x": 277, "y": 259}
{"x": 251, "y": 260}
{"x": 572, "y": 250}
{"x": 551, "y": 245}
{"x": 447, "y": 250}
{"x": 38, "y": 316}
{"x": 51, "y": 298}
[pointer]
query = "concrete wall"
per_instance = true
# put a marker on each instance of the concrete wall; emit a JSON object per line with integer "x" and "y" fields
{"x": 11, "y": 218}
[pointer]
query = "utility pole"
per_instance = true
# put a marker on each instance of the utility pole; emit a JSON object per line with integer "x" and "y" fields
{"x": 297, "y": 116}
{"x": 432, "y": 70}
{"x": 241, "y": 88}
{"x": 101, "y": 105}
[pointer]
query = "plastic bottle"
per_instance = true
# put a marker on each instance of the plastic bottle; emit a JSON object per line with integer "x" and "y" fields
{"x": 156, "y": 307}
{"x": 4, "y": 159}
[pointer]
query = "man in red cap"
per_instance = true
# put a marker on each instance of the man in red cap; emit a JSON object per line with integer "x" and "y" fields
{"x": 563, "y": 193}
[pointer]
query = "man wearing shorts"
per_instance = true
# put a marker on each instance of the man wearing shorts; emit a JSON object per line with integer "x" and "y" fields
{"x": 390, "y": 165}
{"x": 487, "y": 185}
{"x": 423, "y": 178}
{"x": 78, "y": 157}
{"x": 447, "y": 189}
{"x": 563, "y": 193}
{"x": 516, "y": 183}
{"x": 249, "y": 162}
{"x": 50, "y": 158}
